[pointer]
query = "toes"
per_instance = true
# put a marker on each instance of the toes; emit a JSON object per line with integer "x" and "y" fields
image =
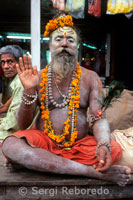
{"x": 123, "y": 180}
{"x": 121, "y": 183}
{"x": 128, "y": 171}
{"x": 125, "y": 170}
{"x": 125, "y": 176}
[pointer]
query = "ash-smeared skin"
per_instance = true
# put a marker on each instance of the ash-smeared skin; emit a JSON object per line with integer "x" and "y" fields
{"x": 18, "y": 150}
{"x": 42, "y": 160}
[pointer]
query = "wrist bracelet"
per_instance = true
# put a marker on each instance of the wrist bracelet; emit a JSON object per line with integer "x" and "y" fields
{"x": 92, "y": 118}
{"x": 104, "y": 143}
{"x": 28, "y": 102}
{"x": 30, "y": 95}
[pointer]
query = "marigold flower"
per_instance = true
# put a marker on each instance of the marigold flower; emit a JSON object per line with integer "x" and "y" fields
{"x": 58, "y": 22}
{"x": 73, "y": 103}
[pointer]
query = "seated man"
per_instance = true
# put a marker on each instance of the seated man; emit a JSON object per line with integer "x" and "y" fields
{"x": 9, "y": 56}
{"x": 61, "y": 140}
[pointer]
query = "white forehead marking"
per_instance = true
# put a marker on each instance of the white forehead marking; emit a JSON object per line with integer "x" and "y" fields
{"x": 66, "y": 30}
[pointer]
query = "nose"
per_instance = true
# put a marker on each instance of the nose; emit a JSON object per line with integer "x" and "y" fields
{"x": 5, "y": 65}
{"x": 64, "y": 42}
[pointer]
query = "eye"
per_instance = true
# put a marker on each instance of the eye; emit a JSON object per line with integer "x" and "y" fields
{"x": 71, "y": 40}
{"x": 58, "y": 39}
{"x": 10, "y": 62}
{"x": 2, "y": 62}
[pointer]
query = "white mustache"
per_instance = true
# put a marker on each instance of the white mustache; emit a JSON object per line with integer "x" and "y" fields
{"x": 69, "y": 51}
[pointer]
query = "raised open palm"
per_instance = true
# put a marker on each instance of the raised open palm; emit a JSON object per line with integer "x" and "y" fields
{"x": 28, "y": 75}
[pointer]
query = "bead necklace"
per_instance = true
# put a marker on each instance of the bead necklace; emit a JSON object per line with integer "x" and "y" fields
{"x": 50, "y": 91}
{"x": 72, "y": 108}
{"x": 66, "y": 98}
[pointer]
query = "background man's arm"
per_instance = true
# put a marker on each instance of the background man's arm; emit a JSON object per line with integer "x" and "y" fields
{"x": 4, "y": 107}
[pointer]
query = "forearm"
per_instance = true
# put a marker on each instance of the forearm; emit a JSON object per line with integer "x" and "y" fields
{"x": 101, "y": 130}
{"x": 3, "y": 109}
{"x": 27, "y": 109}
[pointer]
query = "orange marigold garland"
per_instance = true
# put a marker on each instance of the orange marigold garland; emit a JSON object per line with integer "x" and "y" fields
{"x": 58, "y": 22}
{"x": 72, "y": 110}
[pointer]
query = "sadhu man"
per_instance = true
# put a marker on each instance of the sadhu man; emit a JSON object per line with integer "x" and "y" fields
{"x": 61, "y": 141}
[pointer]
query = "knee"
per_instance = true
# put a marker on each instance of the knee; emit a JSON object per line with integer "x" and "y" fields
{"x": 8, "y": 146}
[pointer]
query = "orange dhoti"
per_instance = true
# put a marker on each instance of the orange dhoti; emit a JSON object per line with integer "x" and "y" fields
{"x": 83, "y": 150}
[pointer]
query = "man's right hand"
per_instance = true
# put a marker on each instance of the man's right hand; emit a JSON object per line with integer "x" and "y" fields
{"x": 28, "y": 75}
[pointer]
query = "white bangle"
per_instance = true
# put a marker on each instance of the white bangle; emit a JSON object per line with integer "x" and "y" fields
{"x": 30, "y": 95}
{"x": 28, "y": 102}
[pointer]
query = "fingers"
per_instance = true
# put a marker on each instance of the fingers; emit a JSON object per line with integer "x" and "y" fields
{"x": 102, "y": 155}
{"x": 25, "y": 63}
{"x": 100, "y": 164}
{"x": 18, "y": 69}
{"x": 106, "y": 165}
{"x": 29, "y": 62}
{"x": 21, "y": 65}
{"x": 104, "y": 159}
{"x": 35, "y": 70}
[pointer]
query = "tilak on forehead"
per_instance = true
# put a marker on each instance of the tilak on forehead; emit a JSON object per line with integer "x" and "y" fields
{"x": 59, "y": 23}
{"x": 66, "y": 31}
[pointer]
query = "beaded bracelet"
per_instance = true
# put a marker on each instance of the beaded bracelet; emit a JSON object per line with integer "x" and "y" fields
{"x": 92, "y": 118}
{"x": 31, "y": 95}
{"x": 104, "y": 143}
{"x": 28, "y": 102}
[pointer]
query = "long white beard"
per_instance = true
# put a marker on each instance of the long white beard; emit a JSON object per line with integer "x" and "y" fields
{"x": 63, "y": 64}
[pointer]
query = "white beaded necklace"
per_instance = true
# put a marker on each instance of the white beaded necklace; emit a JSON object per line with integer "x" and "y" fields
{"x": 66, "y": 98}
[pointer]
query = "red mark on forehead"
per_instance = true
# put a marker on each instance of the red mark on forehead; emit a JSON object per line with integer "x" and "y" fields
{"x": 65, "y": 34}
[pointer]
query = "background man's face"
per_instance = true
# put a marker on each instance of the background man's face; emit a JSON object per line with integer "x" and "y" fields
{"x": 8, "y": 64}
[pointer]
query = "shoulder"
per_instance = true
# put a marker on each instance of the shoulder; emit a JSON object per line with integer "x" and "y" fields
{"x": 90, "y": 76}
{"x": 16, "y": 83}
{"x": 87, "y": 72}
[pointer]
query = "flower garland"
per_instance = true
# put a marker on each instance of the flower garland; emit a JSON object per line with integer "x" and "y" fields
{"x": 72, "y": 109}
{"x": 58, "y": 22}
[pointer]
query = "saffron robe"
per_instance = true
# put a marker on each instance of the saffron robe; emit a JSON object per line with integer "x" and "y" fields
{"x": 82, "y": 151}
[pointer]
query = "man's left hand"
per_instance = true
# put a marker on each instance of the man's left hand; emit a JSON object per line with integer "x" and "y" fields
{"x": 104, "y": 158}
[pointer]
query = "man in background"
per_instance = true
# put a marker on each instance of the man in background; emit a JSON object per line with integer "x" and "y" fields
{"x": 9, "y": 56}
{"x": 1, "y": 85}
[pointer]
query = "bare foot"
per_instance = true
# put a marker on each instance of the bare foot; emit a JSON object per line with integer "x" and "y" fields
{"x": 116, "y": 173}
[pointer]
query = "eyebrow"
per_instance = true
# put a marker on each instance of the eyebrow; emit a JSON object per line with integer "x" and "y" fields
{"x": 8, "y": 60}
{"x": 69, "y": 36}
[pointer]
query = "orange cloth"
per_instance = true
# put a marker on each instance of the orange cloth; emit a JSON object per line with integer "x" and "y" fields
{"x": 83, "y": 150}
